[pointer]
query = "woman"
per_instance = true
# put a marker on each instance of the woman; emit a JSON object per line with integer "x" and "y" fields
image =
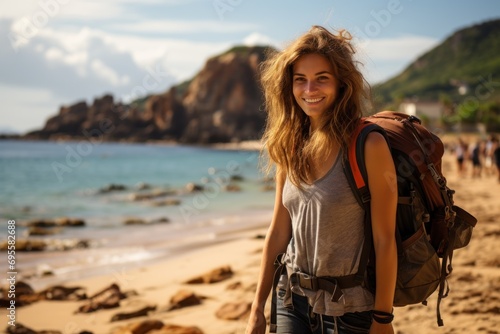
{"x": 315, "y": 96}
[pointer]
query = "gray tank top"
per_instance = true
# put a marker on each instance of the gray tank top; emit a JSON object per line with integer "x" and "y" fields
{"x": 327, "y": 238}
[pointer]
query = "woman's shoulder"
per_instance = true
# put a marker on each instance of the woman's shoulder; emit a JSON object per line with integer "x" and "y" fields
{"x": 375, "y": 141}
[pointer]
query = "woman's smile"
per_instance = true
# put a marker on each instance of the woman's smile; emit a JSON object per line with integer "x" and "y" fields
{"x": 314, "y": 85}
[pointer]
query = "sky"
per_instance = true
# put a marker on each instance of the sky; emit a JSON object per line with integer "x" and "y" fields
{"x": 55, "y": 53}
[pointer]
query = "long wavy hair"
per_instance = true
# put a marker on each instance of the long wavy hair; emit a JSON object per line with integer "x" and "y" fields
{"x": 287, "y": 140}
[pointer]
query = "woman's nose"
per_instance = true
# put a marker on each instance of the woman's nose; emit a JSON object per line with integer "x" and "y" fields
{"x": 310, "y": 86}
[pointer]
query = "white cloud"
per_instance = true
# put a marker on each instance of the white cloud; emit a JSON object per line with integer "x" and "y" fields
{"x": 182, "y": 26}
{"x": 77, "y": 9}
{"x": 256, "y": 38}
{"x": 105, "y": 72}
{"x": 60, "y": 67}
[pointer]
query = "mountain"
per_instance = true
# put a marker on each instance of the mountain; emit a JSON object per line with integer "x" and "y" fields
{"x": 222, "y": 103}
{"x": 465, "y": 65}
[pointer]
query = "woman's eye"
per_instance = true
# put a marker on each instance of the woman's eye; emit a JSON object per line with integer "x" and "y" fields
{"x": 299, "y": 79}
{"x": 323, "y": 78}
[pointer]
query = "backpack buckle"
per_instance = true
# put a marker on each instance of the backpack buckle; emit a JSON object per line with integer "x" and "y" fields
{"x": 365, "y": 195}
{"x": 308, "y": 282}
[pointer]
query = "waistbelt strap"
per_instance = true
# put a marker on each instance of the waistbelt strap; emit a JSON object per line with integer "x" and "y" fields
{"x": 334, "y": 285}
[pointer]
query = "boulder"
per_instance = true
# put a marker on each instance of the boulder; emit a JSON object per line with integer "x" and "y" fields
{"x": 134, "y": 314}
{"x": 213, "y": 276}
{"x": 184, "y": 298}
{"x": 233, "y": 311}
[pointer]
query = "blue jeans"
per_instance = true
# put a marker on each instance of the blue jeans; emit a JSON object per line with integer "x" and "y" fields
{"x": 301, "y": 320}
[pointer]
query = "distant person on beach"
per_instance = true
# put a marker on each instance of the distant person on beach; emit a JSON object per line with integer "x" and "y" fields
{"x": 460, "y": 152}
{"x": 315, "y": 96}
{"x": 489, "y": 164}
{"x": 496, "y": 155}
{"x": 476, "y": 156}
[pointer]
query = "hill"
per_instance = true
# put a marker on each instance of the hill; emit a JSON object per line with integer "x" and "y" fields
{"x": 465, "y": 65}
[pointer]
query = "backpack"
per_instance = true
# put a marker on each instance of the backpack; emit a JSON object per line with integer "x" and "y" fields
{"x": 429, "y": 227}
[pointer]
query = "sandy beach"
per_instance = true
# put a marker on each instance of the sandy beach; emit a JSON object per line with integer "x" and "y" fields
{"x": 473, "y": 305}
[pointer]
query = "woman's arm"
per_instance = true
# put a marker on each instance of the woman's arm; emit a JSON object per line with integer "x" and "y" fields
{"x": 382, "y": 181}
{"x": 277, "y": 239}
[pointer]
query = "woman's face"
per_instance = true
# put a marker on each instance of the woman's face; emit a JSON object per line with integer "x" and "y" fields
{"x": 314, "y": 85}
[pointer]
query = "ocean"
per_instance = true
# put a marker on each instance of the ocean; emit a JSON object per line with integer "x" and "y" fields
{"x": 49, "y": 180}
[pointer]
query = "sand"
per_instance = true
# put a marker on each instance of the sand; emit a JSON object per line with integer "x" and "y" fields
{"x": 473, "y": 305}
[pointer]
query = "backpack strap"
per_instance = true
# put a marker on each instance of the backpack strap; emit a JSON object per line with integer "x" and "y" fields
{"x": 357, "y": 176}
{"x": 280, "y": 269}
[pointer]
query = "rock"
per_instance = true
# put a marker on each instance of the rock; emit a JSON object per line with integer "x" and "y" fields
{"x": 26, "y": 245}
{"x": 192, "y": 187}
{"x": 107, "y": 298}
{"x": 143, "y": 327}
{"x": 175, "y": 329}
{"x": 222, "y": 103}
{"x": 59, "y": 292}
{"x": 234, "y": 286}
{"x": 25, "y": 294}
{"x": 112, "y": 187}
{"x": 43, "y": 231}
{"x": 135, "y": 197}
{"x": 184, "y": 298}
{"x": 134, "y": 314}
{"x": 134, "y": 221}
{"x": 139, "y": 221}
{"x": 44, "y": 223}
{"x": 213, "y": 276}
{"x": 66, "y": 244}
{"x": 142, "y": 186}
{"x": 167, "y": 202}
{"x": 70, "y": 222}
{"x": 23, "y": 288}
{"x": 161, "y": 220}
{"x": 237, "y": 178}
{"x": 232, "y": 188}
{"x": 21, "y": 329}
{"x": 233, "y": 311}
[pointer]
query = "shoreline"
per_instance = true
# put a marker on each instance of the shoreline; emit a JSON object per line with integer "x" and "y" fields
{"x": 471, "y": 307}
{"x": 128, "y": 246}
{"x": 245, "y": 145}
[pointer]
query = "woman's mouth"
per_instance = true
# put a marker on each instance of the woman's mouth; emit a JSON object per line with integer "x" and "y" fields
{"x": 312, "y": 101}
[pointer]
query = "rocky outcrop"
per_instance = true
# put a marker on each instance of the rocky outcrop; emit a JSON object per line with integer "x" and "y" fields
{"x": 222, "y": 103}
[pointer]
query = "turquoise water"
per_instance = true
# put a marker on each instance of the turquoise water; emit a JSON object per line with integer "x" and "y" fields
{"x": 48, "y": 180}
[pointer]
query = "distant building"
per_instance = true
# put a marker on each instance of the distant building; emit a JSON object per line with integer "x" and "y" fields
{"x": 429, "y": 111}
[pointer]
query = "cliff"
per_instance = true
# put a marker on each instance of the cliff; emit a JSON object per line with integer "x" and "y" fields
{"x": 222, "y": 103}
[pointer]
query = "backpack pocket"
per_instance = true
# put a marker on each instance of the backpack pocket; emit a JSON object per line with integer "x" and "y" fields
{"x": 419, "y": 270}
{"x": 464, "y": 223}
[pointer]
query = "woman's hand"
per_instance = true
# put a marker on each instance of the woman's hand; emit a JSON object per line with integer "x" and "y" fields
{"x": 257, "y": 322}
{"x": 377, "y": 328}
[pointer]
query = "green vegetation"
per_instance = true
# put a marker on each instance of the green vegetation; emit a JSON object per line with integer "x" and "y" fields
{"x": 463, "y": 73}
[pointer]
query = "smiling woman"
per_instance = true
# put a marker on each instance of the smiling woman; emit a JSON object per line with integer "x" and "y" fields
{"x": 315, "y": 96}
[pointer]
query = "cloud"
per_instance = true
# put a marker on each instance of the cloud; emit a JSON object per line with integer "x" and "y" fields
{"x": 256, "y": 38}
{"x": 61, "y": 67}
{"x": 80, "y": 9}
{"x": 182, "y": 26}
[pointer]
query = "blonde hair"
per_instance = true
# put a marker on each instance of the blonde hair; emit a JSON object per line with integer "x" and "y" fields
{"x": 287, "y": 140}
